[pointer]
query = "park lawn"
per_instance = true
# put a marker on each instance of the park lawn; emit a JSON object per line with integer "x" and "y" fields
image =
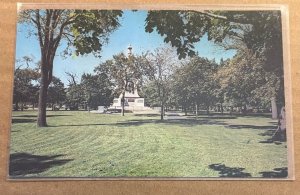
{"x": 82, "y": 144}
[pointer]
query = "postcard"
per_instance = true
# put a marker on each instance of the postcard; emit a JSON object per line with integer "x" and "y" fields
{"x": 151, "y": 92}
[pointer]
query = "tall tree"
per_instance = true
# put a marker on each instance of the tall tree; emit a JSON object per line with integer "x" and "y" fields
{"x": 161, "y": 66}
{"x": 84, "y": 30}
{"x": 244, "y": 82}
{"x": 195, "y": 84}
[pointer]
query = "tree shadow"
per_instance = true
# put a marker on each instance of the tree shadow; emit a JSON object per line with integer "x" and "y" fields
{"x": 278, "y": 138}
{"x": 22, "y": 120}
{"x": 213, "y": 117}
{"x": 260, "y": 115}
{"x": 79, "y": 125}
{"x": 147, "y": 115}
{"x": 233, "y": 172}
{"x": 35, "y": 116}
{"x": 273, "y": 123}
{"x": 266, "y": 127}
{"x": 139, "y": 122}
{"x": 15, "y": 131}
{"x": 22, "y": 164}
{"x": 180, "y": 122}
{"x": 276, "y": 173}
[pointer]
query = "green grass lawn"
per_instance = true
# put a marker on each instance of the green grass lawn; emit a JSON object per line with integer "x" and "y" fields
{"x": 82, "y": 144}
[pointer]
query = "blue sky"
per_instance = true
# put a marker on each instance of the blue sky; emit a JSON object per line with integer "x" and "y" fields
{"x": 131, "y": 31}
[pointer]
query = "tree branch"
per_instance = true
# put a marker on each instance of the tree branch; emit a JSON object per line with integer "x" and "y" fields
{"x": 38, "y": 23}
{"x": 215, "y": 16}
{"x": 211, "y": 15}
{"x": 68, "y": 21}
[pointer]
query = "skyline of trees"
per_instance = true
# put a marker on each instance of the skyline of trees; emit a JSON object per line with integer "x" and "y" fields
{"x": 192, "y": 85}
{"x": 251, "y": 78}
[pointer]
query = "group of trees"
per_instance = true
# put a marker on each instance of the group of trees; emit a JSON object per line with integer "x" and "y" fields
{"x": 90, "y": 92}
{"x": 240, "y": 83}
{"x": 85, "y": 31}
{"x": 27, "y": 85}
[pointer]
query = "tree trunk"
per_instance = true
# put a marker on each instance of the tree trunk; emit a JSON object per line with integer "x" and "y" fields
{"x": 222, "y": 109}
{"x": 244, "y": 110}
{"x": 274, "y": 108}
{"x": 22, "y": 106}
{"x": 185, "y": 111}
{"x": 123, "y": 104}
{"x": 41, "y": 122}
{"x": 196, "y": 110}
{"x": 207, "y": 110}
{"x": 162, "y": 110}
{"x": 17, "y": 106}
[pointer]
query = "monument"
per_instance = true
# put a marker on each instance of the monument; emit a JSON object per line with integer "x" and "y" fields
{"x": 133, "y": 101}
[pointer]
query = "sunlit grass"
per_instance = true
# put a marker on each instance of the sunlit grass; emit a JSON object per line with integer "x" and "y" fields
{"x": 108, "y": 145}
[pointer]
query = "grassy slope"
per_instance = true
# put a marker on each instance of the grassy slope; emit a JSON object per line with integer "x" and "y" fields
{"x": 111, "y": 145}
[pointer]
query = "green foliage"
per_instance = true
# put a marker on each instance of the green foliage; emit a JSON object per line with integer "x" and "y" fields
{"x": 91, "y": 29}
{"x": 25, "y": 86}
{"x": 125, "y": 72}
{"x": 259, "y": 30}
{"x": 194, "y": 83}
{"x": 244, "y": 81}
{"x": 180, "y": 28}
{"x": 56, "y": 93}
{"x": 98, "y": 90}
{"x": 85, "y": 31}
{"x": 152, "y": 98}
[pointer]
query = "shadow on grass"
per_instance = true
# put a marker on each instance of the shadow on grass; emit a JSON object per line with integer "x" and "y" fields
{"x": 184, "y": 121}
{"x": 29, "y": 118}
{"x": 266, "y": 127}
{"x": 15, "y": 131}
{"x": 213, "y": 117}
{"x": 79, "y": 125}
{"x": 22, "y": 164}
{"x": 259, "y": 115}
{"x": 276, "y": 138}
{"x": 22, "y": 120}
{"x": 232, "y": 172}
{"x": 276, "y": 173}
{"x": 35, "y": 116}
{"x": 127, "y": 123}
{"x": 147, "y": 115}
{"x": 181, "y": 122}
